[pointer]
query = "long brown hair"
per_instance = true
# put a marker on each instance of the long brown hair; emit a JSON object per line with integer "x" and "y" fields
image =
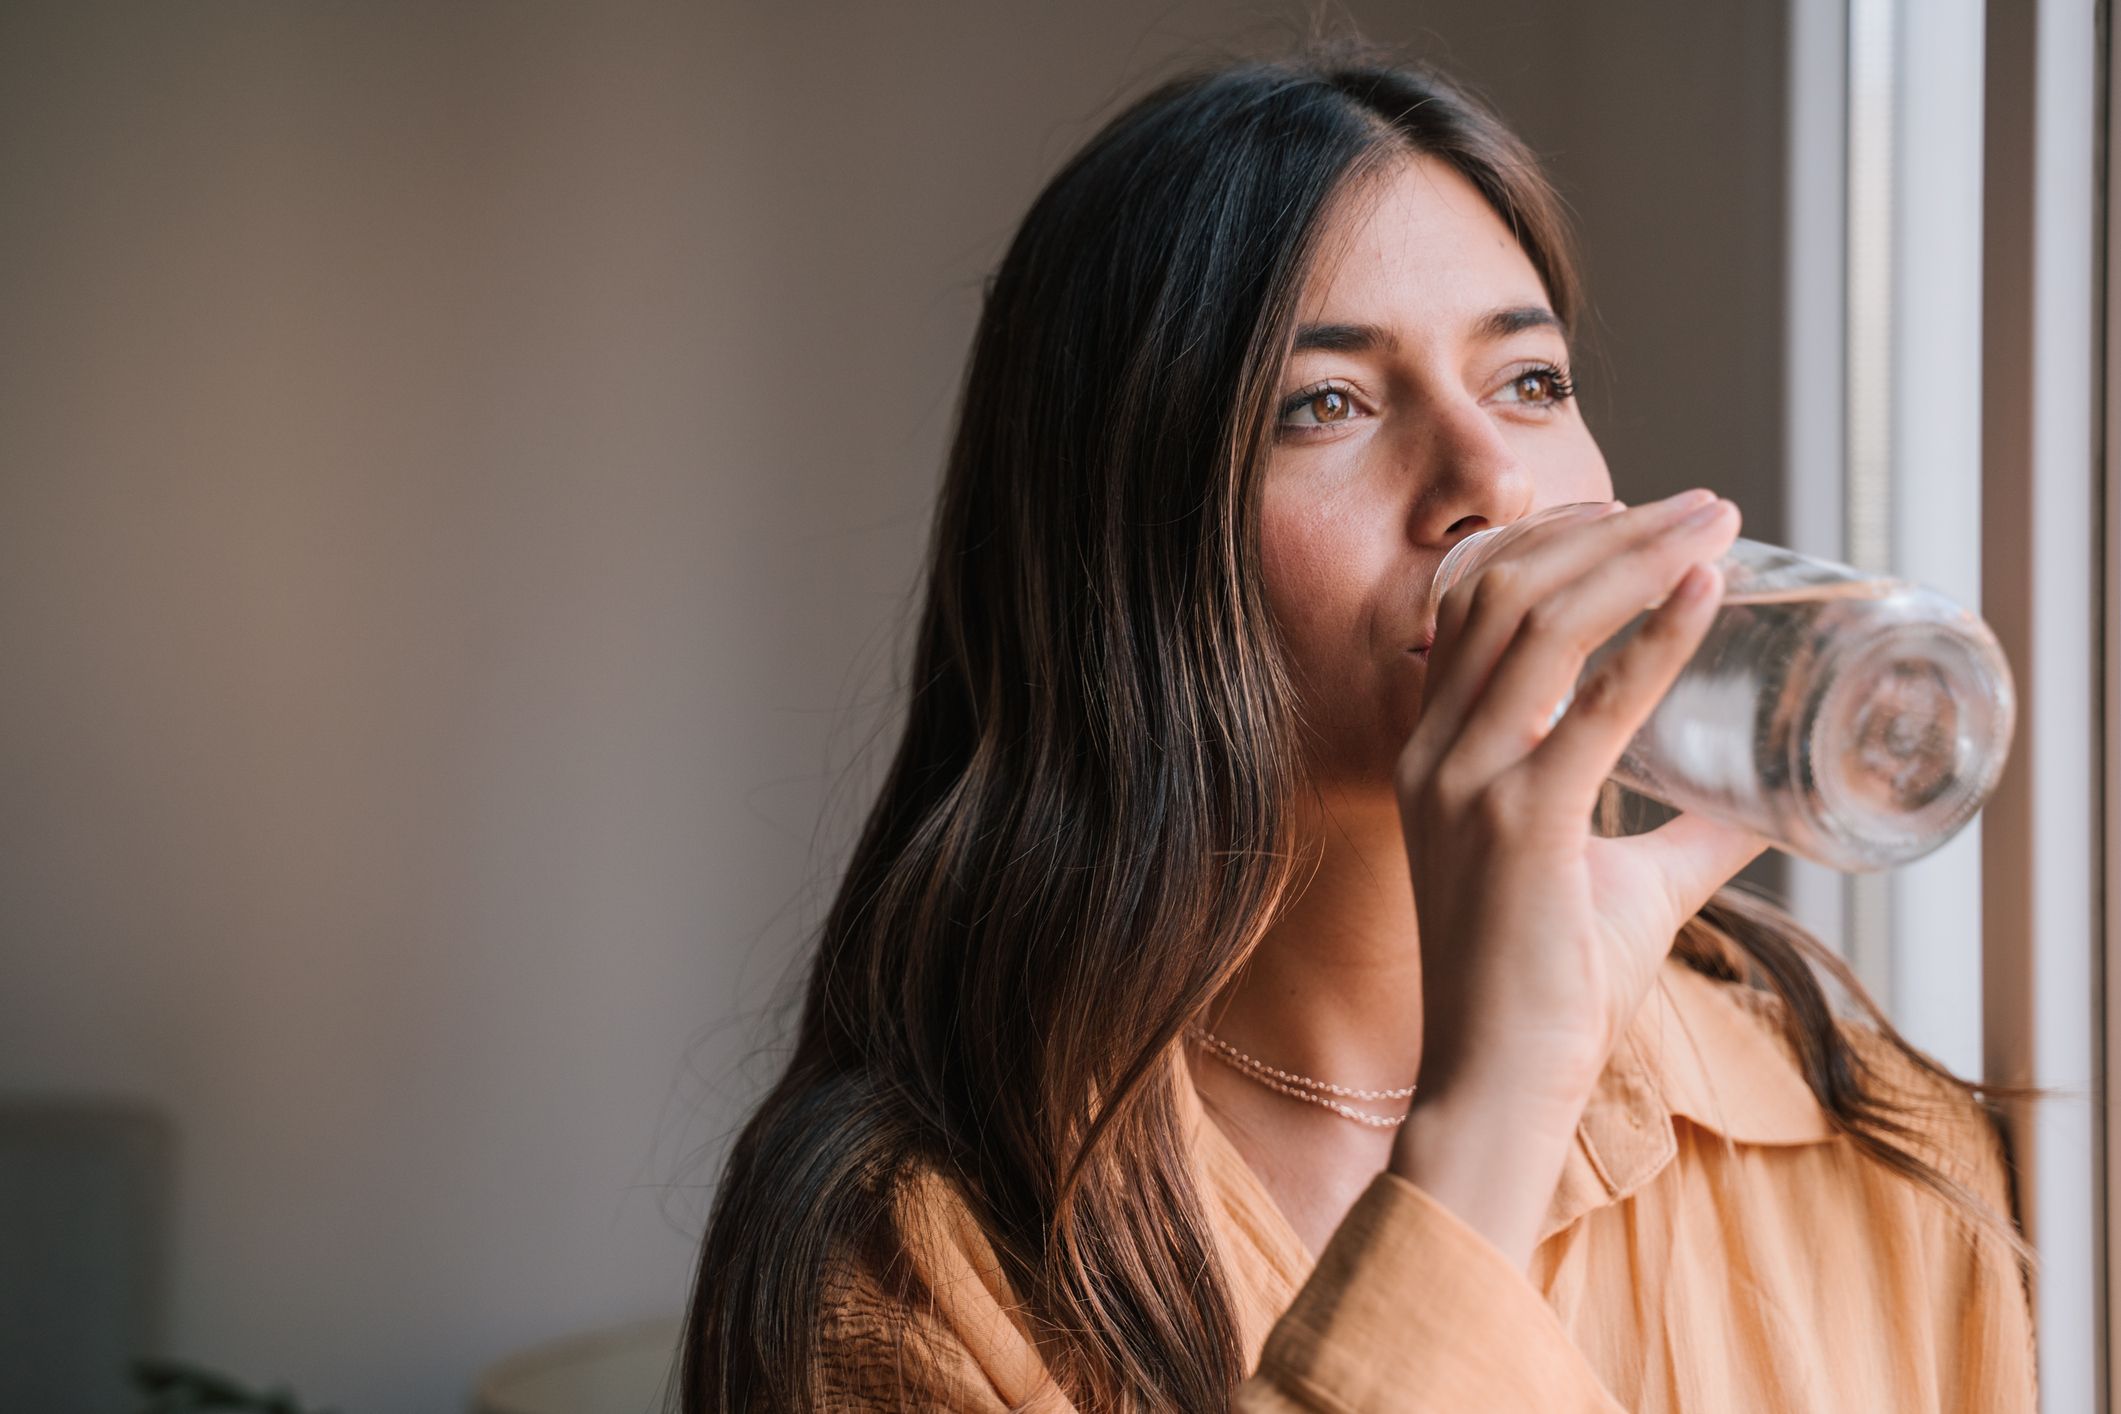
{"x": 1088, "y": 823}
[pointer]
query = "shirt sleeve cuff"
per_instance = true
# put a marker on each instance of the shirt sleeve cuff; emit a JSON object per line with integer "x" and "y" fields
{"x": 1410, "y": 1309}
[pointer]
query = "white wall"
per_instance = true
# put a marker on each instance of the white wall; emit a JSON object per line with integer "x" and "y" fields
{"x": 459, "y": 470}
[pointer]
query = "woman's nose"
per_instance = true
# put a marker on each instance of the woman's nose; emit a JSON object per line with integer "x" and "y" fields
{"x": 1465, "y": 476}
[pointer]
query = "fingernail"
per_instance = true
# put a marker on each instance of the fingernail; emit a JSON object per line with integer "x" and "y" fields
{"x": 1695, "y": 584}
{"x": 1699, "y": 496}
{"x": 1716, "y": 507}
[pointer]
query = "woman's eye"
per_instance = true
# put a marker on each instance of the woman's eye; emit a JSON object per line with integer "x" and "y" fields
{"x": 1538, "y": 387}
{"x": 1318, "y": 407}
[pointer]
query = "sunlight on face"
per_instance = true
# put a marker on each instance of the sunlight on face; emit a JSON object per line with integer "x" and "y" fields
{"x": 1428, "y": 397}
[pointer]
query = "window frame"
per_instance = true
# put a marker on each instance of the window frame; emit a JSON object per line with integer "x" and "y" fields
{"x": 2048, "y": 845}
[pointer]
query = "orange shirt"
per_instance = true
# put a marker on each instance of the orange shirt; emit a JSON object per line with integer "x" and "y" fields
{"x": 1713, "y": 1245}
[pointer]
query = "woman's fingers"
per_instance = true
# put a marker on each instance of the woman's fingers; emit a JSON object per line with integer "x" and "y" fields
{"x": 1612, "y": 703}
{"x": 1479, "y": 618}
{"x": 1451, "y": 613}
{"x": 1544, "y": 660}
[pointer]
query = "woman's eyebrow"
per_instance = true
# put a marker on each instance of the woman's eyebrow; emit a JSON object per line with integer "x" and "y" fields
{"x": 1501, "y": 323}
{"x": 1362, "y": 338}
{"x": 1343, "y": 338}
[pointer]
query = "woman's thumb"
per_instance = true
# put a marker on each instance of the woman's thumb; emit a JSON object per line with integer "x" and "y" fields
{"x": 1698, "y": 856}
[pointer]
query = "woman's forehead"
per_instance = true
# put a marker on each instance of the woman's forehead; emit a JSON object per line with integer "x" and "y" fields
{"x": 1416, "y": 249}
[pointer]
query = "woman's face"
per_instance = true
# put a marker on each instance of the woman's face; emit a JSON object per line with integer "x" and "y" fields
{"x": 1427, "y": 398}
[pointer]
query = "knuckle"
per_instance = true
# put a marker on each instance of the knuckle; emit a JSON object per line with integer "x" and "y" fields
{"x": 1599, "y": 693}
{"x": 1501, "y": 583}
{"x": 1495, "y": 810}
{"x": 1551, "y": 619}
{"x": 1445, "y": 793}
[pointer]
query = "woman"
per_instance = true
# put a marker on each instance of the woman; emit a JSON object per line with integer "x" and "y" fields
{"x": 1192, "y": 858}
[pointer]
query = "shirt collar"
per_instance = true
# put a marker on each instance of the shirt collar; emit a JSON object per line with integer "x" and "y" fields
{"x": 1707, "y": 1051}
{"x": 1699, "y": 1049}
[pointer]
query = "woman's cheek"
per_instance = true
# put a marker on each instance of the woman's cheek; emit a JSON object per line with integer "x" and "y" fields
{"x": 1296, "y": 543}
{"x": 1317, "y": 599}
{"x": 1290, "y": 570}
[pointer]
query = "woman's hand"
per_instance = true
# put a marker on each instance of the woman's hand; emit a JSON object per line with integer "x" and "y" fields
{"x": 1539, "y": 940}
